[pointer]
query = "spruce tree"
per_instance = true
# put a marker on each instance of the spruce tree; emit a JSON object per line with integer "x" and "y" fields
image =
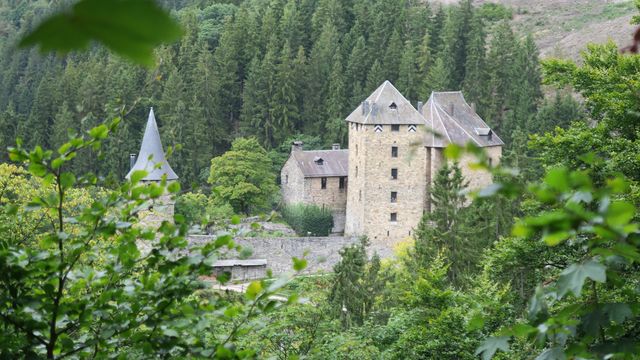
{"x": 409, "y": 80}
{"x": 437, "y": 79}
{"x": 375, "y": 77}
{"x": 500, "y": 64}
{"x": 63, "y": 124}
{"x": 356, "y": 72}
{"x": 336, "y": 126}
{"x": 440, "y": 231}
{"x": 393, "y": 57}
{"x": 286, "y": 93}
{"x": 227, "y": 96}
{"x": 474, "y": 86}
{"x": 456, "y": 37}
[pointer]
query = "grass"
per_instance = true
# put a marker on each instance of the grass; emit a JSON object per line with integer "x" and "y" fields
{"x": 599, "y": 13}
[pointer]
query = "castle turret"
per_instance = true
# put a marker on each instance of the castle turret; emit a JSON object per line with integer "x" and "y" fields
{"x": 387, "y": 170}
{"x": 151, "y": 159}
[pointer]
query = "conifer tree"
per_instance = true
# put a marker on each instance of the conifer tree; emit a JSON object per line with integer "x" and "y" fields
{"x": 393, "y": 57}
{"x": 500, "y": 65}
{"x": 375, "y": 77}
{"x": 336, "y": 126}
{"x": 475, "y": 86}
{"x": 356, "y": 72}
{"x": 63, "y": 123}
{"x": 437, "y": 79}
{"x": 440, "y": 231}
{"x": 560, "y": 111}
{"x": 435, "y": 29}
{"x": 408, "y": 81}
{"x": 285, "y": 100}
{"x": 456, "y": 38}
{"x": 227, "y": 96}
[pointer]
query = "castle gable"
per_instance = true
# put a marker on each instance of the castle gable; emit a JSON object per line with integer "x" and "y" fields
{"x": 449, "y": 115}
{"x": 322, "y": 163}
{"x": 386, "y": 105}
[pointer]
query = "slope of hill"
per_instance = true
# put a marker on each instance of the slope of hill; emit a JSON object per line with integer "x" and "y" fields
{"x": 564, "y": 27}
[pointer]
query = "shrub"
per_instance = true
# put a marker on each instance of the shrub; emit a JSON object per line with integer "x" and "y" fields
{"x": 308, "y": 219}
{"x": 199, "y": 209}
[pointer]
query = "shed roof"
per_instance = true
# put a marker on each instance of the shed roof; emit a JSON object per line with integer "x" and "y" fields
{"x": 334, "y": 162}
{"x": 449, "y": 115}
{"x": 238, "y": 262}
{"x": 386, "y": 105}
{"x": 151, "y": 156}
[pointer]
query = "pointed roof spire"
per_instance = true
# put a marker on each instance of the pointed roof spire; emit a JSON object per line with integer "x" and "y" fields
{"x": 386, "y": 105}
{"x": 151, "y": 154}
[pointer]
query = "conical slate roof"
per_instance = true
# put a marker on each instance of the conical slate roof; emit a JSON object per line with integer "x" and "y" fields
{"x": 151, "y": 154}
{"x": 449, "y": 115}
{"x": 386, "y": 105}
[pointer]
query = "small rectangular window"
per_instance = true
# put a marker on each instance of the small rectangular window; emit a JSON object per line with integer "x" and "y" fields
{"x": 394, "y": 196}
{"x": 394, "y": 217}
{"x": 356, "y": 171}
{"x": 394, "y": 151}
{"x": 394, "y": 174}
{"x": 395, "y": 127}
{"x": 343, "y": 183}
{"x": 359, "y": 194}
{"x": 323, "y": 183}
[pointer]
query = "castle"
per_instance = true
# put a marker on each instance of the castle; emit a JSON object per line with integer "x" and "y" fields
{"x": 380, "y": 187}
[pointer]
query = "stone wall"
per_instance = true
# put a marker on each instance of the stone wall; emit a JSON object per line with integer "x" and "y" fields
{"x": 369, "y": 206}
{"x": 322, "y": 253}
{"x": 296, "y": 188}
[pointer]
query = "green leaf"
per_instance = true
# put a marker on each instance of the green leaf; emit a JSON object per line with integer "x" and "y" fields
{"x": 299, "y": 264}
{"x": 138, "y": 175}
{"x": 620, "y": 213}
{"x": 253, "y": 289}
{"x": 558, "y": 178}
{"x": 491, "y": 345}
{"x": 131, "y": 28}
{"x": 556, "y": 237}
{"x": 173, "y": 187}
{"x": 235, "y": 219}
{"x": 453, "y": 152}
{"x": 476, "y": 322}
{"x": 67, "y": 180}
{"x": 572, "y": 278}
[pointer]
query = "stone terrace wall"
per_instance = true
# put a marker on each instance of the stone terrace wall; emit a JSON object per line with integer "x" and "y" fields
{"x": 322, "y": 252}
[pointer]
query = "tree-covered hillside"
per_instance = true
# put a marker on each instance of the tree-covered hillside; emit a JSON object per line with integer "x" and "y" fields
{"x": 270, "y": 69}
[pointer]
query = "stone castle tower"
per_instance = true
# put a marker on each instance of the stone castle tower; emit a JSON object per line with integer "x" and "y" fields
{"x": 395, "y": 151}
{"x": 151, "y": 158}
{"x": 387, "y": 172}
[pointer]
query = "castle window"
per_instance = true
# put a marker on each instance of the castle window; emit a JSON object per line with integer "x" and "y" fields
{"x": 286, "y": 179}
{"x": 394, "y": 151}
{"x": 395, "y": 127}
{"x": 394, "y": 196}
{"x": 490, "y": 162}
{"x": 394, "y": 174}
{"x": 359, "y": 194}
{"x": 318, "y": 160}
{"x": 343, "y": 182}
{"x": 393, "y": 217}
{"x": 323, "y": 183}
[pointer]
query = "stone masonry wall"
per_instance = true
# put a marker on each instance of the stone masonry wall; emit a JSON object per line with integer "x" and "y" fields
{"x": 322, "y": 253}
{"x": 371, "y": 210}
{"x": 332, "y": 197}
{"x": 292, "y": 186}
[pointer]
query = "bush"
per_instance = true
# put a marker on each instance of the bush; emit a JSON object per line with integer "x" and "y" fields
{"x": 199, "y": 209}
{"x": 308, "y": 219}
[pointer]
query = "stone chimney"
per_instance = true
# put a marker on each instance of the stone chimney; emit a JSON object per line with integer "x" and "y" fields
{"x": 420, "y": 105}
{"x": 335, "y": 147}
{"x": 296, "y": 146}
{"x": 132, "y": 160}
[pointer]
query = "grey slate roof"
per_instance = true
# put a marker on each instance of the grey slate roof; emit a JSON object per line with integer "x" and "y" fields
{"x": 334, "y": 162}
{"x": 238, "y": 262}
{"x": 151, "y": 154}
{"x": 379, "y": 108}
{"x": 458, "y": 127}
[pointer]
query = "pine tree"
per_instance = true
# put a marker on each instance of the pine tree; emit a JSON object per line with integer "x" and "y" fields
{"x": 336, "y": 101}
{"x": 474, "y": 86}
{"x": 437, "y": 79}
{"x": 456, "y": 37}
{"x": 375, "y": 77}
{"x": 560, "y": 111}
{"x": 436, "y": 26}
{"x": 440, "y": 231}
{"x": 285, "y": 100}
{"x": 500, "y": 65}
{"x": 356, "y": 72}
{"x": 63, "y": 123}
{"x": 409, "y": 81}
{"x": 393, "y": 57}
{"x": 525, "y": 93}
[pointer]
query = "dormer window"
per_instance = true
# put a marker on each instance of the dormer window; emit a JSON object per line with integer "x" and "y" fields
{"x": 484, "y": 132}
{"x": 393, "y": 106}
{"x": 318, "y": 160}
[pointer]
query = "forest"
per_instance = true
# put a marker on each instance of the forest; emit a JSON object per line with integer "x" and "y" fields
{"x": 542, "y": 264}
